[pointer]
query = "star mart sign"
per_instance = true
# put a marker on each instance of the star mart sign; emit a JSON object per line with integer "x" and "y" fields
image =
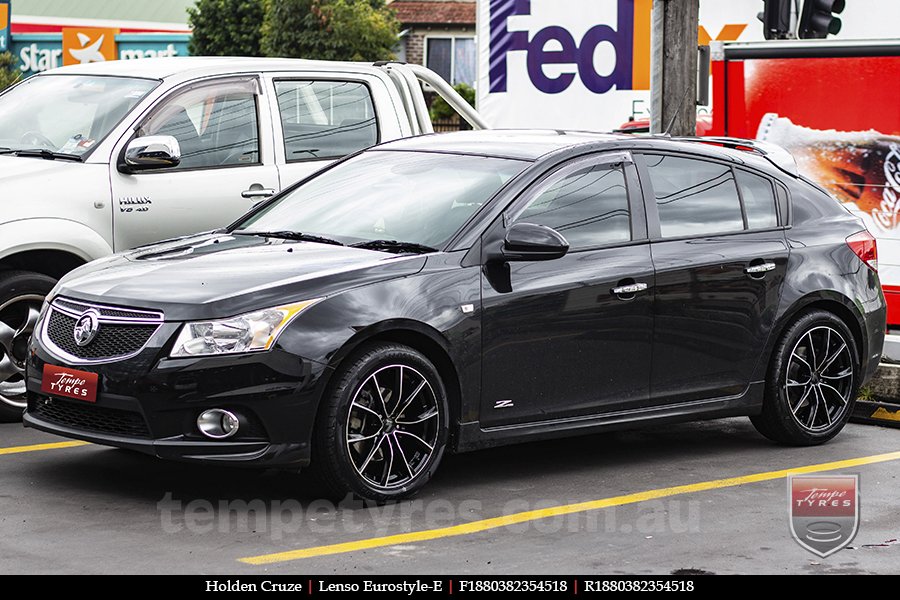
{"x": 42, "y": 51}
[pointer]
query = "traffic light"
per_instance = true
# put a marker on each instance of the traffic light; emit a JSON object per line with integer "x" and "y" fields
{"x": 817, "y": 19}
{"x": 776, "y": 18}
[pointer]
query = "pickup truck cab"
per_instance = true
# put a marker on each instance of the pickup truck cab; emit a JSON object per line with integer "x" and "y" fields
{"x": 103, "y": 157}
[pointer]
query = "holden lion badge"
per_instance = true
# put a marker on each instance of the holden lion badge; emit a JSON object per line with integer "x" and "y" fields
{"x": 824, "y": 511}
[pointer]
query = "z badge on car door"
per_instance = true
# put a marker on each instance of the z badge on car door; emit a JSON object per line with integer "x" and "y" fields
{"x": 824, "y": 511}
{"x": 58, "y": 381}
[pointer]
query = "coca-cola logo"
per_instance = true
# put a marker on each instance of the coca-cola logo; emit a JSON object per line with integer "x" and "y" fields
{"x": 887, "y": 213}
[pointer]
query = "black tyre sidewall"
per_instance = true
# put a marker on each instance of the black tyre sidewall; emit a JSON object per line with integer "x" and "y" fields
{"x": 12, "y": 285}
{"x": 331, "y": 456}
{"x": 777, "y": 421}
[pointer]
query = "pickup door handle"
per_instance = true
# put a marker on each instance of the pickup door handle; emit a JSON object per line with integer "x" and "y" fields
{"x": 627, "y": 290}
{"x": 258, "y": 192}
{"x": 760, "y": 269}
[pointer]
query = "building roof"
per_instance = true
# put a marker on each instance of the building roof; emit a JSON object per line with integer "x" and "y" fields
{"x": 431, "y": 12}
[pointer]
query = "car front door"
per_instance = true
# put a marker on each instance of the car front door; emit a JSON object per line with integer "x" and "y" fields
{"x": 227, "y": 163}
{"x": 571, "y": 336}
{"x": 720, "y": 256}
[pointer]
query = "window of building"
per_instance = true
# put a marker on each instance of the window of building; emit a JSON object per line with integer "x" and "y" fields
{"x": 453, "y": 58}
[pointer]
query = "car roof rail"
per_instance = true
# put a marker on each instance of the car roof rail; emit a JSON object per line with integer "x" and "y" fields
{"x": 778, "y": 156}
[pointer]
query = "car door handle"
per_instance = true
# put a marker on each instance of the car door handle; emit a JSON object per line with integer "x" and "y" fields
{"x": 760, "y": 269}
{"x": 627, "y": 290}
{"x": 259, "y": 192}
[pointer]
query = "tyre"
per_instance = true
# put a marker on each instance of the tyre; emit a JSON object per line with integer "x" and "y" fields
{"x": 812, "y": 382}
{"x": 21, "y": 296}
{"x": 382, "y": 430}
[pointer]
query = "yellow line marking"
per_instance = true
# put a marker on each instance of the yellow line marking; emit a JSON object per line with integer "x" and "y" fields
{"x": 555, "y": 511}
{"x": 886, "y": 415}
{"x": 38, "y": 447}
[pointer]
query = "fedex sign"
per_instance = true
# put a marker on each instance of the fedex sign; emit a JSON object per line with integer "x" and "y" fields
{"x": 628, "y": 37}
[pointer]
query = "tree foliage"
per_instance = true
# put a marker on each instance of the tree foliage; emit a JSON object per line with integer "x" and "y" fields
{"x": 358, "y": 30}
{"x": 9, "y": 70}
{"x": 226, "y": 27}
{"x": 440, "y": 110}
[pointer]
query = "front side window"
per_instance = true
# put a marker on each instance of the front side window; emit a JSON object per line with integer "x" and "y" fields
{"x": 418, "y": 197}
{"x": 69, "y": 114}
{"x": 325, "y": 119}
{"x": 216, "y": 125}
{"x": 453, "y": 58}
{"x": 588, "y": 206}
{"x": 694, "y": 197}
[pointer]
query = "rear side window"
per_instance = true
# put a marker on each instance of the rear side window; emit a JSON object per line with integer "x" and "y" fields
{"x": 759, "y": 200}
{"x": 694, "y": 197}
{"x": 588, "y": 206}
{"x": 325, "y": 119}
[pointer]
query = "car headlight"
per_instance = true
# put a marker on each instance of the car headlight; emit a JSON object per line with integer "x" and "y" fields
{"x": 250, "y": 332}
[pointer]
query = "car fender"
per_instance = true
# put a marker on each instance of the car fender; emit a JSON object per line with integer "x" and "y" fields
{"x": 52, "y": 234}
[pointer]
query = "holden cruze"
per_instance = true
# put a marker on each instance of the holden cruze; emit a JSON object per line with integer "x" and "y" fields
{"x": 449, "y": 293}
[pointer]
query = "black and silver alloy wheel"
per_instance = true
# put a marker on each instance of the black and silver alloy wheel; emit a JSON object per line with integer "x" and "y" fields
{"x": 819, "y": 378}
{"x": 21, "y": 296}
{"x": 812, "y": 382}
{"x": 392, "y": 426}
{"x": 381, "y": 433}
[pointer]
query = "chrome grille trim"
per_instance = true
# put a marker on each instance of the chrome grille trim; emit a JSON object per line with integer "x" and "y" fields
{"x": 109, "y": 315}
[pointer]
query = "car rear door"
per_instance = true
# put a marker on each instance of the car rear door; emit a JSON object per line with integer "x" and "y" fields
{"x": 571, "y": 336}
{"x": 320, "y": 117}
{"x": 720, "y": 255}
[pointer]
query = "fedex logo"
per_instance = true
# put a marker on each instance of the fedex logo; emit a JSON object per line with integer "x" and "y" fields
{"x": 629, "y": 37}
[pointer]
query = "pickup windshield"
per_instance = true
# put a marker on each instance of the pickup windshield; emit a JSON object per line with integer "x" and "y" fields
{"x": 66, "y": 114}
{"x": 388, "y": 200}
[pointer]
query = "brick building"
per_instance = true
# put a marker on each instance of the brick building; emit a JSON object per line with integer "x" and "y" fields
{"x": 439, "y": 34}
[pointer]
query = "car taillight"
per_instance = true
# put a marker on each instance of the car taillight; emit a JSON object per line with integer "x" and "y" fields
{"x": 865, "y": 247}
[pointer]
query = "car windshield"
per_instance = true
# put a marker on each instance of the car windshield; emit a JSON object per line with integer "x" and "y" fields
{"x": 66, "y": 114}
{"x": 411, "y": 197}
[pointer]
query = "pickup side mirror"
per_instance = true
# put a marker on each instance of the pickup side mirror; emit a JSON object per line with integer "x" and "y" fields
{"x": 152, "y": 152}
{"x": 529, "y": 242}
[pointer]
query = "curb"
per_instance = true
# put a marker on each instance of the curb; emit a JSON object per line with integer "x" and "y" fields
{"x": 876, "y": 413}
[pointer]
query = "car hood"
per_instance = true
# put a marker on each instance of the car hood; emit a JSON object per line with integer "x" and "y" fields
{"x": 218, "y": 275}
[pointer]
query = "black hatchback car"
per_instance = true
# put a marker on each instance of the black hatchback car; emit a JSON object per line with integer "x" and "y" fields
{"x": 449, "y": 293}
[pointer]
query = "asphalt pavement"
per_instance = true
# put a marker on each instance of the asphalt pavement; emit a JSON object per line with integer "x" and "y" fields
{"x": 708, "y": 496}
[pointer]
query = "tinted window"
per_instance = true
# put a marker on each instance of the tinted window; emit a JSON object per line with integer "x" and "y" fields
{"x": 759, "y": 200}
{"x": 215, "y": 125}
{"x": 325, "y": 119}
{"x": 588, "y": 206}
{"x": 694, "y": 197}
{"x": 419, "y": 197}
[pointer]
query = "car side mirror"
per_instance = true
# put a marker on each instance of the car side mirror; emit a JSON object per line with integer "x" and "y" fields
{"x": 152, "y": 152}
{"x": 529, "y": 242}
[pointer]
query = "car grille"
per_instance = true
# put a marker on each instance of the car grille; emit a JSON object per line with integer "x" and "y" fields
{"x": 122, "y": 332}
{"x": 89, "y": 417}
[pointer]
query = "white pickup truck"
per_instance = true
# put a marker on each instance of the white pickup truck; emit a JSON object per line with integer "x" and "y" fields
{"x": 103, "y": 157}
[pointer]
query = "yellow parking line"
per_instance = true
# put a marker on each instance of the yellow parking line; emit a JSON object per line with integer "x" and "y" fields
{"x": 565, "y": 509}
{"x": 38, "y": 447}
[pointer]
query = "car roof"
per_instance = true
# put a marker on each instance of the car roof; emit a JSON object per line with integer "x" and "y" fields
{"x": 531, "y": 144}
{"x": 187, "y": 67}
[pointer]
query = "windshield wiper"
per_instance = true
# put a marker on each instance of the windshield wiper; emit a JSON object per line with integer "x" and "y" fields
{"x": 395, "y": 246}
{"x": 46, "y": 154}
{"x": 291, "y": 235}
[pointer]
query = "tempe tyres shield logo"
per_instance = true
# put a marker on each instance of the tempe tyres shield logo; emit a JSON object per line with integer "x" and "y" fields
{"x": 824, "y": 511}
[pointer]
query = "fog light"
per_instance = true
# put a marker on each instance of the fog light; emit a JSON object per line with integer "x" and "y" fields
{"x": 218, "y": 424}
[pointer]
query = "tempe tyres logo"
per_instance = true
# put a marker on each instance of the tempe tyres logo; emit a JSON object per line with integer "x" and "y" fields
{"x": 824, "y": 511}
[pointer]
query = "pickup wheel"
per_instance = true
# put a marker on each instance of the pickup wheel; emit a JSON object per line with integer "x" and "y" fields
{"x": 21, "y": 295}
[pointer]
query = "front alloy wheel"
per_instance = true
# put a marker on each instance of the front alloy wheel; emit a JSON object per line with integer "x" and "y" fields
{"x": 21, "y": 296}
{"x": 381, "y": 433}
{"x": 812, "y": 382}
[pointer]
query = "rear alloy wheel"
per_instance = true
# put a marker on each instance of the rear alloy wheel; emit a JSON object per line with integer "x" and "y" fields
{"x": 383, "y": 433}
{"x": 21, "y": 296}
{"x": 812, "y": 382}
